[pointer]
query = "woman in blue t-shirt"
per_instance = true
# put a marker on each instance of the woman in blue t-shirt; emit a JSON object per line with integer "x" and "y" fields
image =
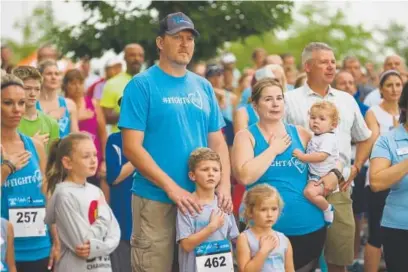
{"x": 389, "y": 170}
{"x": 22, "y": 169}
{"x": 262, "y": 153}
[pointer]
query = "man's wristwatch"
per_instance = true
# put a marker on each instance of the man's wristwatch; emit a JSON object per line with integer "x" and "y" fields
{"x": 338, "y": 174}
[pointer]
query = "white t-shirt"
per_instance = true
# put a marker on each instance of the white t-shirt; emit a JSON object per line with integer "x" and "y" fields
{"x": 327, "y": 143}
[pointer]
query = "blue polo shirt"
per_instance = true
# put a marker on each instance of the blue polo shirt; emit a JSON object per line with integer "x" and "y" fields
{"x": 393, "y": 146}
{"x": 176, "y": 115}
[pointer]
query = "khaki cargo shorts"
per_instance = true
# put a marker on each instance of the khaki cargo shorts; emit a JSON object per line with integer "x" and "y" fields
{"x": 339, "y": 247}
{"x": 153, "y": 238}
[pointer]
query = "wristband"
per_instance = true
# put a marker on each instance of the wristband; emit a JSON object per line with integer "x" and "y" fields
{"x": 337, "y": 173}
{"x": 10, "y": 165}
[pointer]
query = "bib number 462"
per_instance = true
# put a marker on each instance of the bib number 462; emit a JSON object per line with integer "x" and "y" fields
{"x": 26, "y": 217}
{"x": 214, "y": 262}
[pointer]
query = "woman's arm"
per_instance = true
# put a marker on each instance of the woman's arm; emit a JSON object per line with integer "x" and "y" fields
{"x": 73, "y": 111}
{"x": 289, "y": 265}
{"x": 383, "y": 175}
{"x": 10, "y": 260}
{"x": 247, "y": 168}
{"x": 240, "y": 120}
{"x": 100, "y": 118}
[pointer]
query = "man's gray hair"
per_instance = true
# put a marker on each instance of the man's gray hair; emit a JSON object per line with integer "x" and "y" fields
{"x": 311, "y": 47}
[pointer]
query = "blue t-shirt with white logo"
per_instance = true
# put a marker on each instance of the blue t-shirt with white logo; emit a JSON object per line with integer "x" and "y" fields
{"x": 120, "y": 194}
{"x": 176, "y": 115}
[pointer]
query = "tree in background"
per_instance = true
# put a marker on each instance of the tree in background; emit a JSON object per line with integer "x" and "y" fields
{"x": 395, "y": 39}
{"x": 36, "y": 29}
{"x": 109, "y": 25}
{"x": 314, "y": 23}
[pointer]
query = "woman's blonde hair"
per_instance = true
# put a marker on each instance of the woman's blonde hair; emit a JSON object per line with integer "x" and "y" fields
{"x": 256, "y": 195}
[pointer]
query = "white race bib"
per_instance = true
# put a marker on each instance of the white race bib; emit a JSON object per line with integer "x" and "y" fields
{"x": 402, "y": 151}
{"x": 28, "y": 222}
{"x": 214, "y": 256}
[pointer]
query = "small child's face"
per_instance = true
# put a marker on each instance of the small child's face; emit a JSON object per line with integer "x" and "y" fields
{"x": 83, "y": 160}
{"x": 320, "y": 121}
{"x": 207, "y": 174}
{"x": 32, "y": 89}
{"x": 266, "y": 213}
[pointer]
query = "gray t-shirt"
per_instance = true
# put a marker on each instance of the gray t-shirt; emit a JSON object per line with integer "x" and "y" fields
{"x": 276, "y": 258}
{"x": 327, "y": 143}
{"x": 187, "y": 225}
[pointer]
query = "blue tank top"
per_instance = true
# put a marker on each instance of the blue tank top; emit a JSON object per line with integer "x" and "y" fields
{"x": 252, "y": 115}
{"x": 227, "y": 112}
{"x": 276, "y": 258}
{"x": 64, "y": 122}
{"x": 289, "y": 176}
{"x": 3, "y": 264}
{"x": 22, "y": 198}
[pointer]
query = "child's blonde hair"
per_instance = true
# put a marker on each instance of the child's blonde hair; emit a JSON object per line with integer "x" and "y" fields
{"x": 256, "y": 195}
{"x": 202, "y": 154}
{"x": 328, "y": 106}
{"x": 55, "y": 172}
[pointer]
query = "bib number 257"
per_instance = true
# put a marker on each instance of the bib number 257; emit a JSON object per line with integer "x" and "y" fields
{"x": 26, "y": 217}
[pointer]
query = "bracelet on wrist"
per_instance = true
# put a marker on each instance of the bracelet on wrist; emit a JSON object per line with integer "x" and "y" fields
{"x": 10, "y": 165}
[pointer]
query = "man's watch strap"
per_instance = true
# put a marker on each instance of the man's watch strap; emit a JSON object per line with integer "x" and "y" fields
{"x": 338, "y": 174}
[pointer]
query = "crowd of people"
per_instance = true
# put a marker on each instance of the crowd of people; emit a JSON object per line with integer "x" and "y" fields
{"x": 203, "y": 167}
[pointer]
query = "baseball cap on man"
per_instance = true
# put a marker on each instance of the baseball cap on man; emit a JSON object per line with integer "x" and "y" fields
{"x": 213, "y": 70}
{"x": 175, "y": 22}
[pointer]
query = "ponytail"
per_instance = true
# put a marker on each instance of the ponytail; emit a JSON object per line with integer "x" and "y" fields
{"x": 54, "y": 171}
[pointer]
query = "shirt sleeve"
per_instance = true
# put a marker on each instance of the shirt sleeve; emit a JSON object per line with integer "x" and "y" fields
{"x": 134, "y": 106}
{"x": 359, "y": 129}
{"x": 108, "y": 99}
{"x": 381, "y": 149}
{"x": 113, "y": 159}
{"x": 216, "y": 119}
{"x": 73, "y": 227}
{"x": 233, "y": 231}
{"x": 184, "y": 226}
{"x": 105, "y": 245}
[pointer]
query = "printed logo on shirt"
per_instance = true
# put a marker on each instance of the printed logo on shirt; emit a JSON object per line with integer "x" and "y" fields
{"x": 20, "y": 181}
{"x": 63, "y": 123}
{"x": 299, "y": 165}
{"x": 118, "y": 151}
{"x": 93, "y": 211}
{"x": 192, "y": 98}
{"x": 24, "y": 201}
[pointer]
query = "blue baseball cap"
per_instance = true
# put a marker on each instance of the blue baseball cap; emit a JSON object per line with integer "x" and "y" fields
{"x": 175, "y": 22}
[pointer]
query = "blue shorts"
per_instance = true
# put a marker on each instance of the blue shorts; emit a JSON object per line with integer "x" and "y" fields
{"x": 313, "y": 177}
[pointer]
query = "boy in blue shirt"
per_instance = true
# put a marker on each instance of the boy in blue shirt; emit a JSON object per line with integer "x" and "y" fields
{"x": 119, "y": 177}
{"x": 212, "y": 226}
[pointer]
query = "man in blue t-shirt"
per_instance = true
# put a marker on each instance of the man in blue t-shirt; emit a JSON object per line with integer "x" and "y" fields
{"x": 166, "y": 113}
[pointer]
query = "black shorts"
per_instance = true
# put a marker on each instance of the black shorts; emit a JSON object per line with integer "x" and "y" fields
{"x": 307, "y": 248}
{"x": 359, "y": 193}
{"x": 31, "y": 266}
{"x": 376, "y": 203}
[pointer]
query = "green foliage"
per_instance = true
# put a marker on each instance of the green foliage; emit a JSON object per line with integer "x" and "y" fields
{"x": 315, "y": 23}
{"x": 36, "y": 29}
{"x": 111, "y": 25}
{"x": 396, "y": 37}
